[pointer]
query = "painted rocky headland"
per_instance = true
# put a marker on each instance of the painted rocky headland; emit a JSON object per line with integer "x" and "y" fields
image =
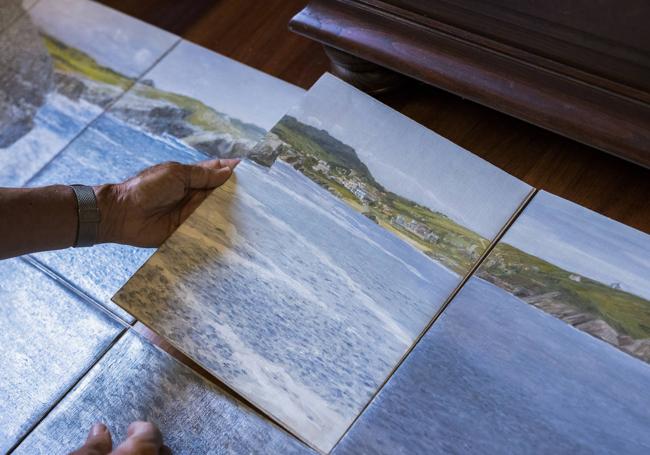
{"x": 605, "y": 311}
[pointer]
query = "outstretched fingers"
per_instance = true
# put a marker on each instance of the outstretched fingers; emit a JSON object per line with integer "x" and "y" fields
{"x": 210, "y": 174}
{"x": 98, "y": 442}
{"x": 143, "y": 438}
{"x": 220, "y": 163}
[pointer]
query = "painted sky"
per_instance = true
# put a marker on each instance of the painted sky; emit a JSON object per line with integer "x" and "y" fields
{"x": 584, "y": 242}
{"x": 411, "y": 160}
{"x": 113, "y": 39}
{"x": 225, "y": 85}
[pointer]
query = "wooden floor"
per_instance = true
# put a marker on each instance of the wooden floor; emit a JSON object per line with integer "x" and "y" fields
{"x": 255, "y": 33}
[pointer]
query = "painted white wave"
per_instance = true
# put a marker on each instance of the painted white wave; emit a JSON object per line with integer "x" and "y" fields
{"x": 166, "y": 139}
{"x": 56, "y": 123}
{"x": 133, "y": 100}
{"x": 81, "y": 110}
{"x": 275, "y": 389}
{"x": 26, "y": 156}
{"x": 267, "y": 384}
{"x": 208, "y": 136}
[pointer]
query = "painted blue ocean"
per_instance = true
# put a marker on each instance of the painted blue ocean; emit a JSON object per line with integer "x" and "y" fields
{"x": 108, "y": 151}
{"x": 496, "y": 375}
{"x": 111, "y": 151}
{"x": 57, "y": 122}
{"x": 493, "y": 375}
{"x": 287, "y": 294}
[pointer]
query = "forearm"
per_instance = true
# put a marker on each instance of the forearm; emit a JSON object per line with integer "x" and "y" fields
{"x": 141, "y": 211}
{"x": 36, "y": 219}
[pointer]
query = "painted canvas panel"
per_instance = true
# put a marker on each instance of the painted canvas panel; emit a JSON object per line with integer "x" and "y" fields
{"x": 503, "y": 372}
{"x": 61, "y": 65}
{"x": 207, "y": 102}
{"x": 136, "y": 381}
{"x": 303, "y": 294}
{"x": 48, "y": 339}
{"x": 581, "y": 267}
{"x": 153, "y": 123}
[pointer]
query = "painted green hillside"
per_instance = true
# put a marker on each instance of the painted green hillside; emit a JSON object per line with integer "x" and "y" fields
{"x": 319, "y": 144}
{"x": 603, "y": 310}
{"x": 72, "y": 61}
{"x": 200, "y": 115}
{"x": 336, "y": 167}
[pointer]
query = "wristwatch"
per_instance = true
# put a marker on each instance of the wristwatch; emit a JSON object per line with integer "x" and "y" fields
{"x": 89, "y": 216}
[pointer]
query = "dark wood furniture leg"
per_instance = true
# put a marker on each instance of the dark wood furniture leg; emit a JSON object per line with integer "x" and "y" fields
{"x": 364, "y": 75}
{"x": 582, "y": 71}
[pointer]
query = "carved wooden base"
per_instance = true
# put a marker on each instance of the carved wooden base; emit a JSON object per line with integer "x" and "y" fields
{"x": 364, "y": 75}
{"x": 593, "y": 88}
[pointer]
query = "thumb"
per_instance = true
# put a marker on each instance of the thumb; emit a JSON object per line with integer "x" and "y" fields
{"x": 143, "y": 438}
{"x": 207, "y": 178}
{"x": 98, "y": 442}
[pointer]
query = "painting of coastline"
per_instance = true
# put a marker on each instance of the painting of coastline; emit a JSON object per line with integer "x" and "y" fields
{"x": 49, "y": 337}
{"x": 544, "y": 351}
{"x": 207, "y": 102}
{"x": 159, "y": 120}
{"x": 580, "y": 267}
{"x": 386, "y": 177}
{"x": 137, "y": 381}
{"x": 302, "y": 301}
{"x": 61, "y": 65}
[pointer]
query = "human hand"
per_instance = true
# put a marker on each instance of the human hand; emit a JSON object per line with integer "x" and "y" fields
{"x": 144, "y": 210}
{"x": 143, "y": 438}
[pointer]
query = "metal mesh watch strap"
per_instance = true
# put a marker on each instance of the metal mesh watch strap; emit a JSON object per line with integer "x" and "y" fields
{"x": 88, "y": 215}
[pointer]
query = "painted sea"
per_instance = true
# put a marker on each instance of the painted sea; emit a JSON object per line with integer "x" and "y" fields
{"x": 109, "y": 151}
{"x": 61, "y": 65}
{"x": 492, "y": 373}
{"x": 57, "y": 122}
{"x": 341, "y": 241}
{"x": 287, "y": 294}
{"x": 496, "y": 375}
